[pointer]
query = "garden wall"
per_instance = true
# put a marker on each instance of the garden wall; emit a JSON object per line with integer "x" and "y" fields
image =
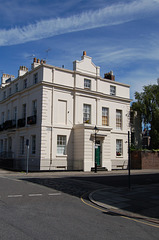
{"x": 144, "y": 160}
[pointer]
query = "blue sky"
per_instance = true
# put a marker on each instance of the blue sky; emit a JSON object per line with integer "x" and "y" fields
{"x": 119, "y": 35}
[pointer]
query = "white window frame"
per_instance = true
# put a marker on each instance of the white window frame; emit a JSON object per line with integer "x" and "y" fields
{"x": 119, "y": 119}
{"x": 105, "y": 116}
{"x": 61, "y": 145}
{"x": 119, "y": 147}
{"x": 112, "y": 90}
{"x": 87, "y": 84}
{"x": 86, "y": 113}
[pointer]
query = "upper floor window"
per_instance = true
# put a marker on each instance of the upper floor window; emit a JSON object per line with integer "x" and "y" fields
{"x": 61, "y": 144}
{"x": 118, "y": 119}
{"x": 24, "y": 111}
{"x": 16, "y": 87}
{"x": 35, "y": 78}
{"x": 112, "y": 90}
{"x": 4, "y": 94}
{"x": 105, "y": 116}
{"x": 119, "y": 147}
{"x": 15, "y": 113}
{"x": 86, "y": 113}
{"x": 8, "y": 115}
{"x": 9, "y": 91}
{"x": 87, "y": 83}
{"x": 25, "y": 83}
{"x": 34, "y": 107}
{"x": 2, "y": 117}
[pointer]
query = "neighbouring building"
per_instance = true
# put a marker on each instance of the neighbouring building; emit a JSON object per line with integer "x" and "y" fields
{"x": 55, "y": 111}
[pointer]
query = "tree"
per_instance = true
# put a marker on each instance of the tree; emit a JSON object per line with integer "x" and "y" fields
{"x": 147, "y": 106}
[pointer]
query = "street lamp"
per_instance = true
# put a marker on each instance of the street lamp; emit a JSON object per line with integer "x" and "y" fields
{"x": 96, "y": 130}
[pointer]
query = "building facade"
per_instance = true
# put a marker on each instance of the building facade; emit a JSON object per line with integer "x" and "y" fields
{"x": 54, "y": 111}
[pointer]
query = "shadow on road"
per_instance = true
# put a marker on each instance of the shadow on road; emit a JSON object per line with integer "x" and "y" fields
{"x": 142, "y": 198}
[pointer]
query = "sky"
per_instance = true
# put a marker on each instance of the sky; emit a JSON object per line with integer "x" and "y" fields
{"x": 119, "y": 35}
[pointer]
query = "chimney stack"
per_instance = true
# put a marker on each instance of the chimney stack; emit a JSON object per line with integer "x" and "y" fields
{"x": 109, "y": 76}
{"x": 22, "y": 70}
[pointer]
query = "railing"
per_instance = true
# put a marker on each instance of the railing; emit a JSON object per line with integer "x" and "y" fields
{"x": 31, "y": 120}
{"x": 9, "y": 124}
{"x": 21, "y": 122}
{"x": 7, "y": 155}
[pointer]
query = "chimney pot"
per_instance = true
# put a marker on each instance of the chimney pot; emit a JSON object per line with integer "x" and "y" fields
{"x": 84, "y": 53}
{"x": 35, "y": 59}
{"x": 41, "y": 61}
{"x": 38, "y": 60}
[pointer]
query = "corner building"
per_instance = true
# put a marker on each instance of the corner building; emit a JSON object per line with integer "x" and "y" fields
{"x": 56, "y": 110}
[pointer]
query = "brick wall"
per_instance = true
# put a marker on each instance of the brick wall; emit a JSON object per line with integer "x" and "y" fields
{"x": 144, "y": 160}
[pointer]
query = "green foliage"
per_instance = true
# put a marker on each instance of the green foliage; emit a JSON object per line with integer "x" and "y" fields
{"x": 147, "y": 106}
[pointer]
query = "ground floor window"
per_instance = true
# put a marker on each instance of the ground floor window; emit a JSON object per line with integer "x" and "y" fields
{"x": 61, "y": 144}
{"x": 119, "y": 147}
{"x": 33, "y": 144}
{"x": 22, "y": 145}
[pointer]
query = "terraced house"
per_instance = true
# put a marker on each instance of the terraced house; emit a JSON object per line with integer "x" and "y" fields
{"x": 70, "y": 118}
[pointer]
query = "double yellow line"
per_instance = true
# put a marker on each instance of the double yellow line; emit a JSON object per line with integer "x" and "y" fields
{"x": 132, "y": 219}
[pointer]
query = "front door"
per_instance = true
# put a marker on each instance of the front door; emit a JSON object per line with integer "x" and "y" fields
{"x": 97, "y": 153}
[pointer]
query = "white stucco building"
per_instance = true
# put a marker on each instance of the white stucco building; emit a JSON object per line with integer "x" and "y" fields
{"x": 57, "y": 110}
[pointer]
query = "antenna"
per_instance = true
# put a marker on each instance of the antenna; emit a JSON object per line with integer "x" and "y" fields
{"x": 47, "y": 51}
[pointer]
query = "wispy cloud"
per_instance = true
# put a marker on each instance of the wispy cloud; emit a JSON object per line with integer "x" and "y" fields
{"x": 112, "y": 15}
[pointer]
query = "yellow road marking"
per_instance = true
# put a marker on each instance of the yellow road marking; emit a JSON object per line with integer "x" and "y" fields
{"x": 132, "y": 219}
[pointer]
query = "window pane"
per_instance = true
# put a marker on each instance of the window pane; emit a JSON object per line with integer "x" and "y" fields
{"x": 112, "y": 90}
{"x": 118, "y": 119}
{"x": 33, "y": 144}
{"x": 87, "y": 83}
{"x": 119, "y": 147}
{"x": 61, "y": 145}
{"x": 105, "y": 116}
{"x": 86, "y": 113}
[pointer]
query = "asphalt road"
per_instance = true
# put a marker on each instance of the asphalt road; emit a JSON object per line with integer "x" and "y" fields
{"x": 41, "y": 207}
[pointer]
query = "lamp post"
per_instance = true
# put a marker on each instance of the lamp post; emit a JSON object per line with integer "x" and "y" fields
{"x": 95, "y": 162}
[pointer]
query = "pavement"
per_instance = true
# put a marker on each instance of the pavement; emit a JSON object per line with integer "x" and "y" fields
{"x": 140, "y": 201}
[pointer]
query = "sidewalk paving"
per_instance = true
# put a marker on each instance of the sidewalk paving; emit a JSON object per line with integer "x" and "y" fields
{"x": 141, "y": 201}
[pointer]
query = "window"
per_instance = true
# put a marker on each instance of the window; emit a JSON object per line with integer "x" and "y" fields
{"x": 61, "y": 145}
{"x": 2, "y": 118}
{"x": 86, "y": 113}
{"x": 87, "y": 83}
{"x": 112, "y": 90}
{"x": 16, "y": 87}
{"x": 15, "y": 113}
{"x": 22, "y": 144}
{"x": 33, "y": 144}
{"x": 4, "y": 94}
{"x": 118, "y": 119}
{"x": 34, "y": 107}
{"x": 35, "y": 78}
{"x": 25, "y": 83}
{"x": 105, "y": 113}
{"x": 9, "y": 91}
{"x": 1, "y": 146}
{"x": 24, "y": 111}
{"x": 8, "y": 115}
{"x": 119, "y": 147}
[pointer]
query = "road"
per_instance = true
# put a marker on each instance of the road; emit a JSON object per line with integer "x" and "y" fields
{"x": 57, "y": 207}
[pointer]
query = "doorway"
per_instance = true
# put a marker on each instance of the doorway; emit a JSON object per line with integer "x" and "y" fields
{"x": 98, "y": 153}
